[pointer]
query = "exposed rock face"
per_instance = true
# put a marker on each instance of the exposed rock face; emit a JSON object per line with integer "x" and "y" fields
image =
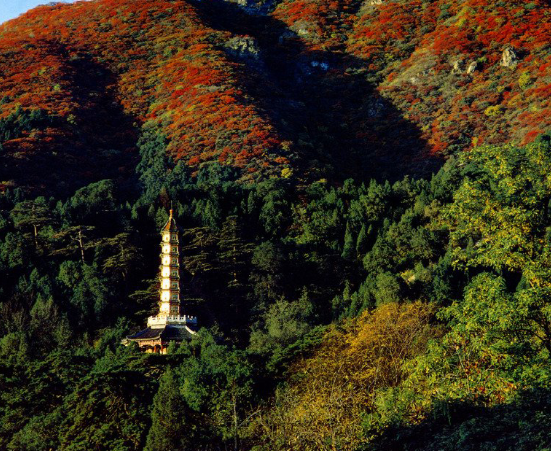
{"x": 307, "y": 67}
{"x": 323, "y": 65}
{"x": 473, "y": 66}
{"x": 245, "y": 47}
{"x": 458, "y": 66}
{"x": 509, "y": 58}
{"x": 420, "y": 76}
{"x": 240, "y": 2}
{"x": 375, "y": 108}
{"x": 370, "y": 5}
{"x": 303, "y": 28}
{"x": 286, "y": 35}
{"x": 254, "y": 7}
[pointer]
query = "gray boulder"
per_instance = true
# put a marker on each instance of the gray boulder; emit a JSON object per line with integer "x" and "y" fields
{"x": 458, "y": 66}
{"x": 509, "y": 58}
{"x": 471, "y": 69}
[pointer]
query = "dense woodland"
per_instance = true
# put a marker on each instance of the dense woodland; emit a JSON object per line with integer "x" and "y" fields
{"x": 355, "y": 289}
{"x": 350, "y": 317}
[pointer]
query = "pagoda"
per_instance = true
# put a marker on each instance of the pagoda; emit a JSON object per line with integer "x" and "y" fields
{"x": 168, "y": 326}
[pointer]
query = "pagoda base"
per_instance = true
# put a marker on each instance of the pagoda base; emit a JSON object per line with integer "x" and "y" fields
{"x": 157, "y": 338}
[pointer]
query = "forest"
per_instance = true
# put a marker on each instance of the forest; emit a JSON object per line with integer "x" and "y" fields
{"x": 363, "y": 192}
{"x": 363, "y": 316}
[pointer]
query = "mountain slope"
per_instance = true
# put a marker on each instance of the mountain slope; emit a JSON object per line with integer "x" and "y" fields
{"x": 323, "y": 88}
{"x": 464, "y": 72}
{"x": 102, "y": 69}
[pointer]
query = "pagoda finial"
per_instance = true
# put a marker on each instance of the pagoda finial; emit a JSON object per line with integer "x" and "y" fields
{"x": 170, "y": 211}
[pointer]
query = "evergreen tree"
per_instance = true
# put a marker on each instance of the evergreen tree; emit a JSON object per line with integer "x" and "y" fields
{"x": 168, "y": 418}
{"x": 234, "y": 252}
{"x": 32, "y": 216}
{"x": 362, "y": 241}
{"x": 74, "y": 240}
{"x": 349, "y": 251}
{"x": 268, "y": 261}
{"x": 108, "y": 407}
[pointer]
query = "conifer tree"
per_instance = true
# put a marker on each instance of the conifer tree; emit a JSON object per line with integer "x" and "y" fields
{"x": 234, "y": 251}
{"x": 167, "y": 418}
{"x": 32, "y": 215}
{"x": 362, "y": 241}
{"x": 349, "y": 248}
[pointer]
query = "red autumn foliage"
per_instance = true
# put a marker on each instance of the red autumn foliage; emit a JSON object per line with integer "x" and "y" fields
{"x": 402, "y": 40}
{"x": 104, "y": 68}
{"x": 166, "y": 66}
{"x": 467, "y": 31}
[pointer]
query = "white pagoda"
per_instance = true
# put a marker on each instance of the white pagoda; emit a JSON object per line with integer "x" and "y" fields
{"x": 168, "y": 325}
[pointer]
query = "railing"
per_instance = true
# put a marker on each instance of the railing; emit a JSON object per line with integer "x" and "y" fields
{"x": 164, "y": 320}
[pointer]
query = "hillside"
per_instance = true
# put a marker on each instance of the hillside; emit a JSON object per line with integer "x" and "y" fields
{"x": 101, "y": 70}
{"x": 463, "y": 72}
{"x": 362, "y": 190}
{"x": 336, "y": 89}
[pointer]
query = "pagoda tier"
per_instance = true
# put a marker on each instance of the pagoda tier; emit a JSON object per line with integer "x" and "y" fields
{"x": 170, "y": 270}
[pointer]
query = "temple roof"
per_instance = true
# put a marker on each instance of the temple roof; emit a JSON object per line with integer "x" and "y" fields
{"x": 170, "y": 225}
{"x": 167, "y": 333}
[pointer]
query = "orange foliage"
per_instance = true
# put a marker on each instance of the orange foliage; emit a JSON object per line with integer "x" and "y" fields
{"x": 94, "y": 64}
{"x": 399, "y": 36}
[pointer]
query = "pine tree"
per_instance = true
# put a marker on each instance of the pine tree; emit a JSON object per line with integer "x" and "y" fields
{"x": 168, "y": 418}
{"x": 349, "y": 248}
{"x": 362, "y": 242}
{"x": 234, "y": 252}
{"x": 32, "y": 215}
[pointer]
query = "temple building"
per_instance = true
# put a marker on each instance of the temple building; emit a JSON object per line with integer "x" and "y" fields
{"x": 169, "y": 325}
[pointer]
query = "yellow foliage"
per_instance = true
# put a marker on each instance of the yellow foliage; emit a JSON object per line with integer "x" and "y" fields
{"x": 524, "y": 80}
{"x": 495, "y": 110}
{"x": 329, "y": 392}
{"x": 286, "y": 173}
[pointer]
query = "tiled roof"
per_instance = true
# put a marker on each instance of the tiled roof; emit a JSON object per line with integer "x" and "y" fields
{"x": 167, "y": 333}
{"x": 170, "y": 225}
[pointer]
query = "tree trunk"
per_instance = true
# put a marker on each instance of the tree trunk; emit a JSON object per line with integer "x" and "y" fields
{"x": 35, "y": 236}
{"x": 81, "y": 245}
